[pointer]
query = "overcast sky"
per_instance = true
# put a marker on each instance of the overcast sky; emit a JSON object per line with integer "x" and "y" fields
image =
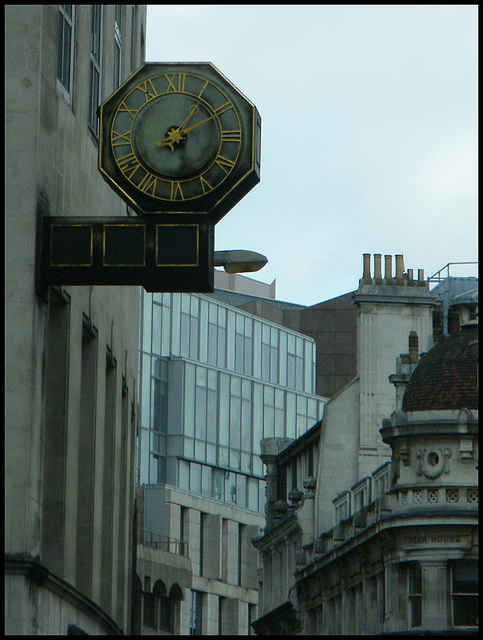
{"x": 369, "y": 123}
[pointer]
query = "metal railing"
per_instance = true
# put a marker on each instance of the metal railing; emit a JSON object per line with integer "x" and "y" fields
{"x": 171, "y": 545}
{"x": 437, "y": 277}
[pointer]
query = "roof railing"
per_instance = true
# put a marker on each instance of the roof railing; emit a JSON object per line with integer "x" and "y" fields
{"x": 437, "y": 277}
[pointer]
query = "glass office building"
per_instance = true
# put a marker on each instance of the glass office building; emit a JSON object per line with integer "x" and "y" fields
{"x": 214, "y": 381}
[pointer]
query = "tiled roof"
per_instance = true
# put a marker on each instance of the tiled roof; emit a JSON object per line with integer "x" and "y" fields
{"x": 446, "y": 377}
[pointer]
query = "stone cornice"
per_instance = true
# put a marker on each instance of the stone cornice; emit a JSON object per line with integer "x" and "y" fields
{"x": 384, "y": 526}
{"x": 37, "y": 573}
{"x": 285, "y": 528}
{"x": 432, "y": 423}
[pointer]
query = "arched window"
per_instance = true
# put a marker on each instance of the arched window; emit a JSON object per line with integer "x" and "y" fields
{"x": 175, "y": 597}
{"x": 163, "y": 613}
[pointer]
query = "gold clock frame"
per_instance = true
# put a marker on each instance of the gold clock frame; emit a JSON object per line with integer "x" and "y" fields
{"x": 139, "y": 185}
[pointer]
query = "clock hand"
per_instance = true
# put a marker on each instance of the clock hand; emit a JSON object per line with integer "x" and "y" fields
{"x": 172, "y": 137}
{"x": 176, "y": 135}
{"x": 194, "y": 109}
{"x": 197, "y": 124}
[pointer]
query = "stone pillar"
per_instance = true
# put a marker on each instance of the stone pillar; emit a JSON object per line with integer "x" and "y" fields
{"x": 434, "y": 591}
{"x": 210, "y": 615}
{"x": 348, "y": 611}
{"x": 370, "y": 606}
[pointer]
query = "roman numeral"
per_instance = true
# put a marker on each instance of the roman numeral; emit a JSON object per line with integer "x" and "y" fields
{"x": 148, "y": 91}
{"x": 175, "y": 82}
{"x": 223, "y": 108}
{"x": 148, "y": 184}
{"x": 204, "y": 87}
{"x": 176, "y": 193}
{"x": 233, "y": 135}
{"x": 126, "y": 109}
{"x": 205, "y": 185}
{"x": 225, "y": 164}
{"x": 125, "y": 138}
{"x": 128, "y": 164}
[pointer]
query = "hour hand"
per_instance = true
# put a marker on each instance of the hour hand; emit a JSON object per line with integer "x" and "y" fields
{"x": 173, "y": 136}
{"x": 176, "y": 134}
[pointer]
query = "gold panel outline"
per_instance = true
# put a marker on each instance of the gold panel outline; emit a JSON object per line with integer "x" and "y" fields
{"x": 188, "y": 264}
{"x": 81, "y": 264}
{"x": 104, "y": 246}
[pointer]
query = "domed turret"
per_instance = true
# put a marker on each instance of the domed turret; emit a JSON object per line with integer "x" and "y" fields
{"x": 446, "y": 377}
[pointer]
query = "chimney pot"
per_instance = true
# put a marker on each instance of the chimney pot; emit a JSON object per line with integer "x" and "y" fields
{"x": 388, "y": 269}
{"x": 366, "y": 274}
{"x": 399, "y": 269}
{"x": 377, "y": 269}
{"x": 421, "y": 282}
{"x": 413, "y": 341}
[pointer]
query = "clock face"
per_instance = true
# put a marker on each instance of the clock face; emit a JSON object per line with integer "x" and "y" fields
{"x": 179, "y": 138}
{"x": 176, "y": 137}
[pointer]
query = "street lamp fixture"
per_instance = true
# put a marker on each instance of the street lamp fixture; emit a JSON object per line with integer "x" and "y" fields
{"x": 240, "y": 261}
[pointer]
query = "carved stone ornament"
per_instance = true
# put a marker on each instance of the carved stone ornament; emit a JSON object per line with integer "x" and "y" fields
{"x": 400, "y": 455}
{"x": 433, "y": 462}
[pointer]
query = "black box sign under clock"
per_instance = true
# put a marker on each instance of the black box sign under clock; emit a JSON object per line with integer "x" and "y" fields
{"x": 162, "y": 253}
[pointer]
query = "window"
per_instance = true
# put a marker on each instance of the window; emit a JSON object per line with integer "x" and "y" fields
{"x": 465, "y": 593}
{"x": 65, "y": 50}
{"x": 279, "y": 413}
{"x": 95, "y": 66}
{"x": 189, "y": 326}
{"x": 110, "y": 423}
{"x": 270, "y": 354}
{"x": 118, "y": 38}
{"x": 165, "y": 621}
{"x": 55, "y": 429}
{"x": 221, "y": 601}
{"x": 148, "y": 606}
{"x": 252, "y": 616}
{"x": 361, "y": 494}
{"x": 294, "y": 474}
{"x": 134, "y": 30}
{"x": 381, "y": 480}
{"x": 159, "y": 397}
{"x": 310, "y": 462}
{"x": 85, "y": 487}
{"x": 414, "y": 593}
{"x": 196, "y": 613}
{"x": 342, "y": 507}
{"x": 243, "y": 345}
{"x": 295, "y": 363}
{"x": 203, "y": 517}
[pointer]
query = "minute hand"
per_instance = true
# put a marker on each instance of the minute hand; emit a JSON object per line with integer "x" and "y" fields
{"x": 193, "y": 126}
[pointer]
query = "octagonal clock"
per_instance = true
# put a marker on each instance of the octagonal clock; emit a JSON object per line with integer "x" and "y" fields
{"x": 179, "y": 137}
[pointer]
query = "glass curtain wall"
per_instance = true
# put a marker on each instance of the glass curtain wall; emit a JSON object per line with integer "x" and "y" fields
{"x": 214, "y": 381}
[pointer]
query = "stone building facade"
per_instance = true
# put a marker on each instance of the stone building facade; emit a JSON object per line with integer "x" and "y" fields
{"x": 71, "y": 352}
{"x": 390, "y": 545}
